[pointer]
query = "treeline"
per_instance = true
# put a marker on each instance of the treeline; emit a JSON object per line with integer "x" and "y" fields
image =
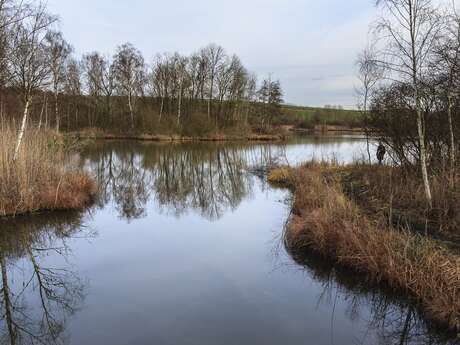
{"x": 43, "y": 83}
{"x": 410, "y": 87}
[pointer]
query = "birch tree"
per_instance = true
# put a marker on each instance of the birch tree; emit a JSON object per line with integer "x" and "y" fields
{"x": 129, "y": 69}
{"x": 447, "y": 67}
{"x": 157, "y": 83}
{"x": 11, "y": 13}
{"x": 73, "y": 84}
{"x": 215, "y": 55}
{"x": 99, "y": 74}
{"x": 409, "y": 30}
{"x": 73, "y": 78}
{"x": 58, "y": 52}
{"x": 28, "y": 63}
{"x": 183, "y": 80}
{"x": 369, "y": 74}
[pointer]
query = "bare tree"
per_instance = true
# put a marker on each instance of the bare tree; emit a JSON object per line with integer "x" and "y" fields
{"x": 160, "y": 81}
{"x": 100, "y": 80}
{"x": 91, "y": 64}
{"x": 130, "y": 77}
{"x": 410, "y": 29}
{"x": 58, "y": 52}
{"x": 369, "y": 74}
{"x": 73, "y": 78}
{"x": 73, "y": 84}
{"x": 447, "y": 66}
{"x": 28, "y": 65}
{"x": 271, "y": 97}
{"x": 183, "y": 79}
{"x": 11, "y": 13}
{"x": 215, "y": 55}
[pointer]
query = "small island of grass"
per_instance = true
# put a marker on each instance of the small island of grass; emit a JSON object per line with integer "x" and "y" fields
{"x": 42, "y": 177}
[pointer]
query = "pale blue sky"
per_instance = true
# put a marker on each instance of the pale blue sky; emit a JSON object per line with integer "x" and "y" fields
{"x": 311, "y": 46}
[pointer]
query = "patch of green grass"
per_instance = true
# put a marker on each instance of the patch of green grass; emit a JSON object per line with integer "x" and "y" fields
{"x": 308, "y": 117}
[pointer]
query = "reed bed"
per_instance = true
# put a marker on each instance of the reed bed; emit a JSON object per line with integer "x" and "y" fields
{"x": 328, "y": 223}
{"x": 42, "y": 177}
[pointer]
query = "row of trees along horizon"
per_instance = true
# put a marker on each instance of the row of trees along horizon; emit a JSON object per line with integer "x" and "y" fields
{"x": 43, "y": 83}
{"x": 410, "y": 86}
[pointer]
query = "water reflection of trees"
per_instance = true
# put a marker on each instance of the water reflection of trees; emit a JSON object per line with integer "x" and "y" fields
{"x": 37, "y": 296}
{"x": 208, "y": 178}
{"x": 394, "y": 319}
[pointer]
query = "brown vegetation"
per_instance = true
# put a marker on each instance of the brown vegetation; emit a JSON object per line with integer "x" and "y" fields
{"x": 41, "y": 178}
{"x": 329, "y": 223}
{"x": 397, "y": 194}
{"x": 94, "y": 133}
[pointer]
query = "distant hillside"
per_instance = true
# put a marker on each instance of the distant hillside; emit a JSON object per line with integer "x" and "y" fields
{"x": 308, "y": 117}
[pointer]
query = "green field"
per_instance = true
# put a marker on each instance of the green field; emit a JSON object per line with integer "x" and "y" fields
{"x": 308, "y": 117}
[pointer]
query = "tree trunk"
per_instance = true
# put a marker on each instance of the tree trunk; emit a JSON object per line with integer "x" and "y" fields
{"x": 46, "y": 112}
{"x": 56, "y": 111}
{"x": 423, "y": 153}
{"x": 418, "y": 108}
{"x": 179, "y": 110}
{"x": 1, "y": 110}
{"x": 161, "y": 108}
{"x": 366, "y": 95}
{"x": 368, "y": 146}
{"x": 210, "y": 98}
{"x": 451, "y": 139}
{"x": 41, "y": 112}
{"x": 22, "y": 130}
{"x": 131, "y": 111}
{"x": 68, "y": 116}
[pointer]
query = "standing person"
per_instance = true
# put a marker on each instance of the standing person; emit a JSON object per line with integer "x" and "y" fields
{"x": 381, "y": 151}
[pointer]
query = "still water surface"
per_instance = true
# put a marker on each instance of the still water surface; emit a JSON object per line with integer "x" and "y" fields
{"x": 184, "y": 246}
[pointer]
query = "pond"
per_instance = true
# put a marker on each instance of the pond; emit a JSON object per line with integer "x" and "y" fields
{"x": 184, "y": 246}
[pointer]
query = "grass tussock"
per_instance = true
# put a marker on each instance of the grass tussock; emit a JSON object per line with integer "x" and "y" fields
{"x": 42, "y": 177}
{"x": 327, "y": 222}
{"x": 281, "y": 176}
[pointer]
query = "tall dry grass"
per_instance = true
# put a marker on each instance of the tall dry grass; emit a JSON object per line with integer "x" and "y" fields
{"x": 325, "y": 221}
{"x": 41, "y": 178}
{"x": 400, "y": 191}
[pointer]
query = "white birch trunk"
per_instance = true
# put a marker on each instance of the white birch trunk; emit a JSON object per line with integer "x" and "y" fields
{"x": 22, "y": 130}
{"x": 451, "y": 139}
{"x": 131, "y": 111}
{"x": 41, "y": 112}
{"x": 161, "y": 109}
{"x": 179, "y": 110}
{"x": 46, "y": 112}
{"x": 368, "y": 148}
{"x": 56, "y": 111}
{"x": 210, "y": 98}
{"x": 418, "y": 107}
{"x": 423, "y": 153}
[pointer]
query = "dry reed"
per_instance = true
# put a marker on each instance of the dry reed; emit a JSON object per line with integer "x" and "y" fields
{"x": 325, "y": 221}
{"x": 41, "y": 178}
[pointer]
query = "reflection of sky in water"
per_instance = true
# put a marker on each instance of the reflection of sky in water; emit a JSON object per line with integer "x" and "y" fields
{"x": 342, "y": 151}
{"x": 161, "y": 268}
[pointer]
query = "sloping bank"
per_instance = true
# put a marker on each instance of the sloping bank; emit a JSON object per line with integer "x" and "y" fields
{"x": 97, "y": 134}
{"x": 43, "y": 177}
{"x": 325, "y": 221}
